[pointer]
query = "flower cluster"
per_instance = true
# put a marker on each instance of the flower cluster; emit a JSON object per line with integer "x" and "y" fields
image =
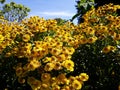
{"x": 44, "y": 49}
{"x": 47, "y": 49}
{"x": 105, "y": 25}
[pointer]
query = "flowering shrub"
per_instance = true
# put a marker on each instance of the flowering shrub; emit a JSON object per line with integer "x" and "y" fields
{"x": 100, "y": 58}
{"x": 38, "y": 54}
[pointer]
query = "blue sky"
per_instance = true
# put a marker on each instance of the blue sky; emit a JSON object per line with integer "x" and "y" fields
{"x": 50, "y": 9}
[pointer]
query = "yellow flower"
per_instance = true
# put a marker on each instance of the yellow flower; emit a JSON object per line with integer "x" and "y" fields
{"x": 66, "y": 88}
{"x": 71, "y": 50}
{"x": 45, "y": 77}
{"x": 76, "y": 85}
{"x": 92, "y": 39}
{"x": 53, "y": 81}
{"x": 112, "y": 48}
{"x": 56, "y": 87}
{"x": 83, "y": 40}
{"x": 28, "y": 45}
{"x": 34, "y": 64}
{"x": 69, "y": 65}
{"x": 59, "y": 44}
{"x": 49, "y": 66}
{"x": 15, "y": 50}
{"x": 71, "y": 79}
{"x": 83, "y": 77}
{"x": 1, "y": 38}
{"x": 26, "y": 37}
{"x": 119, "y": 87}
{"x": 8, "y": 54}
{"x": 89, "y": 30}
{"x": 53, "y": 59}
{"x": 117, "y": 37}
{"x": 45, "y": 86}
{"x": 103, "y": 29}
{"x": 65, "y": 50}
{"x": 34, "y": 83}
{"x": 21, "y": 80}
{"x": 61, "y": 57}
{"x": 55, "y": 51}
{"x": 19, "y": 71}
{"x": 57, "y": 66}
{"x": 61, "y": 78}
{"x": 47, "y": 59}
{"x": 108, "y": 48}
{"x": 37, "y": 48}
{"x": 47, "y": 39}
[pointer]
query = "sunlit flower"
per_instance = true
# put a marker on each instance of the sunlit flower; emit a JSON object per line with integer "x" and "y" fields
{"x": 61, "y": 78}
{"x": 1, "y": 38}
{"x": 116, "y": 37}
{"x": 26, "y": 37}
{"x": 55, "y": 51}
{"x": 69, "y": 65}
{"x": 71, "y": 50}
{"x": 45, "y": 86}
{"x": 34, "y": 64}
{"x": 57, "y": 66}
{"x": 56, "y": 87}
{"x": 53, "y": 81}
{"x": 61, "y": 57}
{"x": 108, "y": 48}
{"x": 49, "y": 66}
{"x": 71, "y": 79}
{"x": 47, "y": 59}
{"x": 76, "y": 85}
{"x": 92, "y": 39}
{"x": 83, "y": 41}
{"x": 66, "y": 88}
{"x": 83, "y": 77}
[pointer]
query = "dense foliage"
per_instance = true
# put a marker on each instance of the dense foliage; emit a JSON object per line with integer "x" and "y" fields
{"x": 101, "y": 59}
{"x": 37, "y": 53}
{"x": 82, "y": 7}
{"x": 2, "y": 1}
{"x": 40, "y": 54}
{"x": 14, "y": 12}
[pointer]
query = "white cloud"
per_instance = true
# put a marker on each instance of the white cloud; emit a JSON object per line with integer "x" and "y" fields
{"x": 58, "y": 13}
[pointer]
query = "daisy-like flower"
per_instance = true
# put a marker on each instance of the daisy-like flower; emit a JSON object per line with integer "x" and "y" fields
{"x": 108, "y": 48}
{"x": 34, "y": 83}
{"x": 49, "y": 66}
{"x": 83, "y": 77}
{"x": 1, "y": 38}
{"x": 45, "y": 77}
{"x": 69, "y": 65}
{"x": 21, "y": 80}
{"x": 26, "y": 37}
{"x": 57, "y": 66}
{"x": 55, "y": 51}
{"x": 34, "y": 64}
{"x": 45, "y": 86}
{"x": 76, "y": 85}
{"x": 92, "y": 39}
{"x": 19, "y": 71}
